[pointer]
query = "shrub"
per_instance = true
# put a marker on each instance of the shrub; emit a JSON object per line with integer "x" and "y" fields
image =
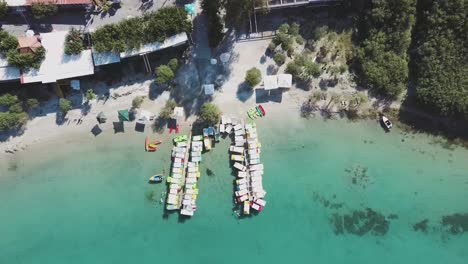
{"x": 3, "y": 9}
{"x": 173, "y": 64}
{"x": 284, "y": 28}
{"x": 16, "y": 108}
{"x": 300, "y": 40}
{"x": 65, "y": 105}
{"x": 164, "y": 75}
{"x": 311, "y": 69}
{"x": 279, "y": 58}
{"x": 73, "y": 42}
{"x": 12, "y": 120}
{"x": 32, "y": 103}
{"x": 26, "y": 60}
{"x": 8, "y": 100}
{"x": 293, "y": 69}
{"x": 168, "y": 109}
{"x": 42, "y": 10}
{"x": 272, "y": 46}
{"x": 210, "y": 114}
{"x": 343, "y": 68}
{"x": 253, "y": 77}
{"x": 8, "y": 42}
{"x": 137, "y": 101}
{"x": 294, "y": 29}
{"x": 90, "y": 95}
{"x": 320, "y": 32}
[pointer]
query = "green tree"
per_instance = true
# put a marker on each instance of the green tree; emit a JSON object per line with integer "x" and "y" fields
{"x": 42, "y": 10}
{"x": 90, "y": 95}
{"x": 137, "y": 101}
{"x": 16, "y": 108}
{"x": 210, "y": 114}
{"x": 168, "y": 109}
{"x": 311, "y": 69}
{"x": 294, "y": 29}
{"x": 12, "y": 120}
{"x": 284, "y": 28}
{"x": 3, "y": 9}
{"x": 26, "y": 60}
{"x": 294, "y": 69}
{"x": 73, "y": 42}
{"x": 32, "y": 103}
{"x": 7, "y": 42}
{"x": 8, "y": 100}
{"x": 253, "y": 77}
{"x": 65, "y": 105}
{"x": 279, "y": 58}
{"x": 173, "y": 64}
{"x": 164, "y": 75}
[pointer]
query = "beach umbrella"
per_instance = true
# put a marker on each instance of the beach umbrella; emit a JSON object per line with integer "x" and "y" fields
{"x": 118, "y": 127}
{"x": 96, "y": 130}
{"x": 124, "y": 115}
{"x": 190, "y": 8}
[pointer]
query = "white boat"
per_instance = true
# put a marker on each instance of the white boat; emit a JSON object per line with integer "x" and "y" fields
{"x": 236, "y": 149}
{"x": 222, "y": 128}
{"x": 388, "y": 124}
{"x": 242, "y": 174}
{"x": 197, "y": 138}
{"x": 239, "y": 166}
{"x": 229, "y": 129}
{"x": 237, "y": 157}
{"x": 246, "y": 207}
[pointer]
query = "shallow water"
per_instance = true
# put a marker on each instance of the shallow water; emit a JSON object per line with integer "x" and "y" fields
{"x": 92, "y": 204}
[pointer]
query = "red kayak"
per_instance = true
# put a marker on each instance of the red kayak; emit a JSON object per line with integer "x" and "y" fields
{"x": 261, "y": 109}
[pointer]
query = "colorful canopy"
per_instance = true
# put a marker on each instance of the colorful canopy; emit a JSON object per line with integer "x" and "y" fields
{"x": 124, "y": 115}
{"x": 190, "y": 8}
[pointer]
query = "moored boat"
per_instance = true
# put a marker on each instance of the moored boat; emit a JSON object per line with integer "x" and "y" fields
{"x": 156, "y": 178}
{"x": 388, "y": 124}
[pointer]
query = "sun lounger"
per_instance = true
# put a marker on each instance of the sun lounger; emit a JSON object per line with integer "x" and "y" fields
{"x": 239, "y": 166}
{"x": 241, "y": 192}
{"x": 242, "y": 174}
{"x": 236, "y": 149}
{"x": 237, "y": 158}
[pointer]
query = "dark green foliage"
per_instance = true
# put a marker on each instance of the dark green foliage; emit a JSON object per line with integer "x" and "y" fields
{"x": 210, "y": 114}
{"x": 26, "y": 60}
{"x": 32, "y": 103}
{"x": 173, "y": 64}
{"x": 300, "y": 40}
{"x": 7, "y": 42}
{"x": 10, "y": 120}
{"x": 320, "y": 32}
{"x": 311, "y": 69}
{"x": 441, "y": 59}
{"x": 65, "y": 105}
{"x": 303, "y": 68}
{"x": 168, "y": 109}
{"x": 253, "y": 77}
{"x": 294, "y": 29}
{"x": 164, "y": 75}
{"x": 134, "y": 32}
{"x": 42, "y": 10}
{"x": 272, "y": 46}
{"x": 385, "y": 36}
{"x": 211, "y": 9}
{"x": 3, "y": 9}
{"x": 73, "y": 42}
{"x": 90, "y": 95}
{"x": 284, "y": 28}
{"x": 8, "y": 100}
{"x": 279, "y": 58}
{"x": 16, "y": 108}
{"x": 294, "y": 69}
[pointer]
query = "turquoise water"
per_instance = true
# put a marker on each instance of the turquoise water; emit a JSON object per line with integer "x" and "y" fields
{"x": 92, "y": 204}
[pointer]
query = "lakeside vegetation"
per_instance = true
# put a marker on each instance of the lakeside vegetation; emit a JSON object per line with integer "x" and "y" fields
{"x": 134, "y": 32}
{"x": 15, "y": 116}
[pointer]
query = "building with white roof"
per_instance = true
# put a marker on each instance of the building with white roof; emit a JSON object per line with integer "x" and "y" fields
{"x": 8, "y": 73}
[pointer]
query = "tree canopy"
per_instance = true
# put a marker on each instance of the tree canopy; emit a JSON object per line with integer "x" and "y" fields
{"x": 384, "y": 39}
{"x": 8, "y": 45}
{"x": 441, "y": 57}
{"x": 73, "y": 42}
{"x": 253, "y": 77}
{"x": 210, "y": 114}
{"x": 164, "y": 75}
{"x": 134, "y": 32}
{"x": 3, "y": 9}
{"x": 42, "y": 10}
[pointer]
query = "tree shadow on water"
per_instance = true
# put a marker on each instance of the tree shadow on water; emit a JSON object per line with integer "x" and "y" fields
{"x": 244, "y": 91}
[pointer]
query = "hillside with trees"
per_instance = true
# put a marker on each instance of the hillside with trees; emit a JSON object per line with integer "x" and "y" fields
{"x": 440, "y": 61}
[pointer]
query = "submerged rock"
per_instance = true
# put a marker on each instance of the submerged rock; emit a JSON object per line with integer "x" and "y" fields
{"x": 421, "y": 226}
{"x": 456, "y": 223}
{"x": 361, "y": 222}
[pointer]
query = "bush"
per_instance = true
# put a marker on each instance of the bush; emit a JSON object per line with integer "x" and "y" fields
{"x": 279, "y": 58}
{"x": 294, "y": 29}
{"x": 16, "y": 108}
{"x": 312, "y": 69}
{"x": 253, "y": 77}
{"x": 164, "y": 75}
{"x": 3, "y": 9}
{"x": 300, "y": 40}
{"x": 137, "y": 101}
{"x": 320, "y": 32}
{"x": 12, "y": 120}
{"x": 210, "y": 114}
{"x": 8, "y": 100}
{"x": 293, "y": 69}
{"x": 26, "y": 60}
{"x": 42, "y": 10}
{"x": 73, "y": 42}
{"x": 284, "y": 28}
{"x": 173, "y": 64}
{"x": 32, "y": 103}
{"x": 8, "y": 42}
{"x": 65, "y": 105}
{"x": 168, "y": 109}
{"x": 90, "y": 95}
{"x": 272, "y": 46}
{"x": 343, "y": 68}
{"x": 134, "y": 32}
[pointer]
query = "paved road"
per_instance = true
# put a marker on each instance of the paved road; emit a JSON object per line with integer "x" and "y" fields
{"x": 17, "y": 24}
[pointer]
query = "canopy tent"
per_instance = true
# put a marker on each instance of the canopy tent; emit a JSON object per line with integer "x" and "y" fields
{"x": 284, "y": 80}
{"x": 209, "y": 89}
{"x": 270, "y": 82}
{"x": 124, "y": 115}
{"x": 101, "y": 118}
{"x": 118, "y": 127}
{"x": 140, "y": 127}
